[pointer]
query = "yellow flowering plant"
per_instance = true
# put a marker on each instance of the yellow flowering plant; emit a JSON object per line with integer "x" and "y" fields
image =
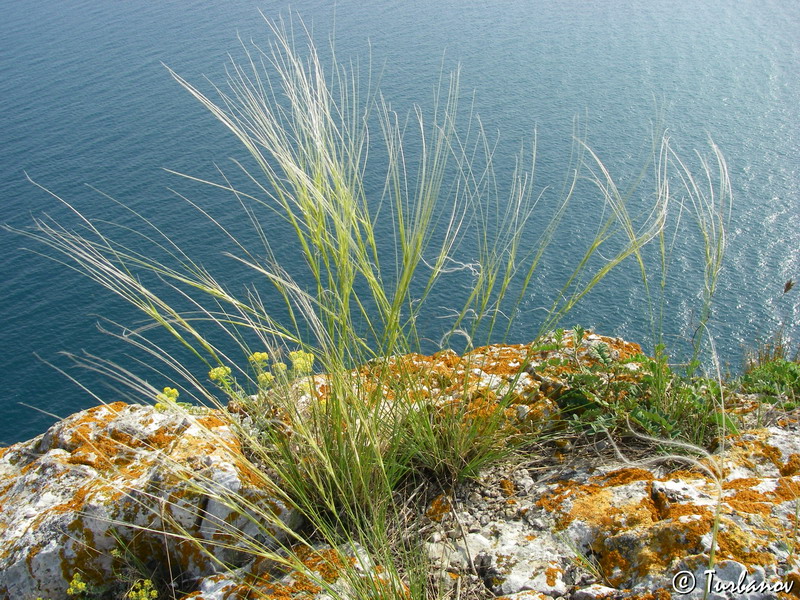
{"x": 225, "y": 381}
{"x": 265, "y": 379}
{"x": 142, "y": 589}
{"x": 168, "y": 397}
{"x": 220, "y": 374}
{"x": 258, "y": 358}
{"x": 81, "y": 590}
{"x": 77, "y": 587}
{"x": 265, "y": 376}
{"x": 302, "y": 362}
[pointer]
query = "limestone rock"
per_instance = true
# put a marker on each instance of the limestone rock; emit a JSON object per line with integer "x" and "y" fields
{"x": 593, "y": 528}
{"x": 319, "y": 572}
{"x": 514, "y": 560}
{"x": 126, "y": 474}
{"x": 594, "y": 592}
{"x": 529, "y": 377}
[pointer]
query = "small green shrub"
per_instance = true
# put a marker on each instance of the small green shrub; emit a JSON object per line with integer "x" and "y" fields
{"x": 659, "y": 403}
{"x": 777, "y": 378}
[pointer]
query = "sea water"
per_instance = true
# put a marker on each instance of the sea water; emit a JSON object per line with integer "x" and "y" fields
{"x": 88, "y": 106}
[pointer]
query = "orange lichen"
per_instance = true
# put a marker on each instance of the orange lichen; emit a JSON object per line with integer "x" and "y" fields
{"x": 787, "y": 490}
{"x": 671, "y": 539}
{"x": 84, "y": 555}
{"x": 749, "y": 452}
{"x": 327, "y": 563}
{"x": 687, "y": 531}
{"x": 659, "y": 502}
{"x": 623, "y": 476}
{"x": 211, "y": 421}
{"x": 76, "y": 503}
{"x": 319, "y": 567}
{"x": 440, "y": 506}
{"x": 791, "y": 467}
{"x": 644, "y": 513}
{"x": 793, "y": 578}
{"x": 88, "y": 445}
{"x": 299, "y": 587}
{"x": 751, "y": 502}
{"x": 552, "y": 574}
{"x": 740, "y": 484}
{"x": 472, "y": 386}
{"x": 668, "y": 531}
{"x": 683, "y": 475}
{"x": 447, "y": 358}
{"x": 593, "y": 507}
{"x": 553, "y": 500}
{"x": 615, "y": 567}
{"x": 507, "y": 487}
{"x": 160, "y": 438}
{"x": 594, "y": 503}
{"x": 746, "y": 546}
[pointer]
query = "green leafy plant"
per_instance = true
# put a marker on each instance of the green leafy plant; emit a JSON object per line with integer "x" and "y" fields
{"x": 604, "y": 396}
{"x": 777, "y": 378}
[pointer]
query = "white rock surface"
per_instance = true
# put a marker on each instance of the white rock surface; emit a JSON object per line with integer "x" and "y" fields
{"x": 132, "y": 472}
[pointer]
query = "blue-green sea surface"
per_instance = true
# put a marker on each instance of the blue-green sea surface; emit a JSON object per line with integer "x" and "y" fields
{"x": 87, "y": 102}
